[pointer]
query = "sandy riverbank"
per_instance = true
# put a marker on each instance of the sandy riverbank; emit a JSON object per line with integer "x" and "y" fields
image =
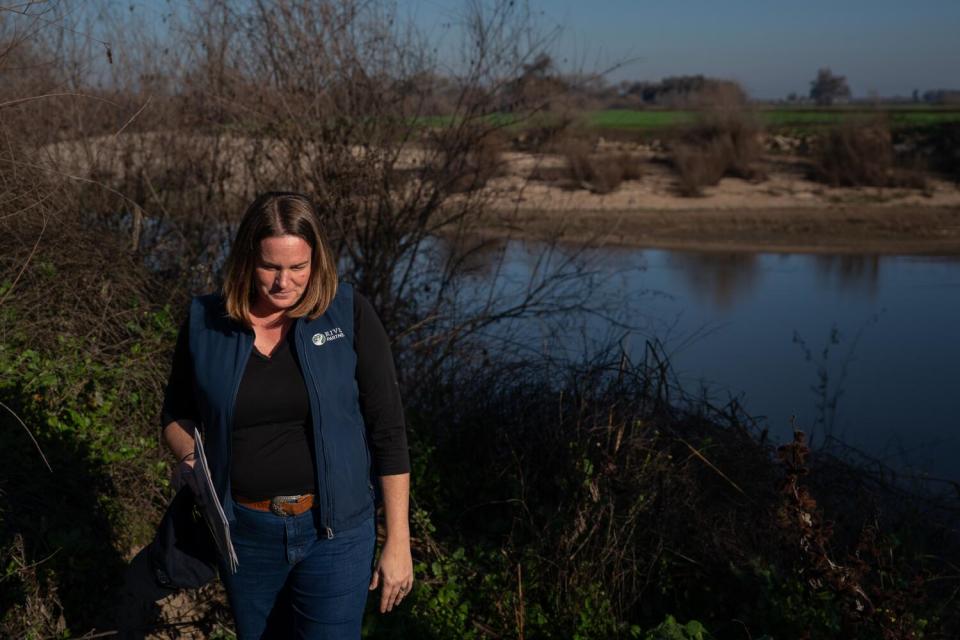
{"x": 784, "y": 213}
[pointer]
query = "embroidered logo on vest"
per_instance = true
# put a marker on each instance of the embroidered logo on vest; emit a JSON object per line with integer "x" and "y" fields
{"x": 321, "y": 339}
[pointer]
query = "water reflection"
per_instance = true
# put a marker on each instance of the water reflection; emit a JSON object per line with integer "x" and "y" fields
{"x": 473, "y": 254}
{"x": 860, "y": 273}
{"x": 729, "y": 320}
{"x": 722, "y": 277}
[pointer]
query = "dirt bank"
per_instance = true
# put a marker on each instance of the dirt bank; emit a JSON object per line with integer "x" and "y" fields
{"x": 786, "y": 212}
{"x": 836, "y": 229}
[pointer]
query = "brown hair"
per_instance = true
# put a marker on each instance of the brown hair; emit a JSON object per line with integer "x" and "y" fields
{"x": 272, "y": 214}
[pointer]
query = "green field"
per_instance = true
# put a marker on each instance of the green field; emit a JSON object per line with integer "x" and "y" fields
{"x": 647, "y": 119}
{"x": 625, "y": 119}
{"x": 795, "y": 120}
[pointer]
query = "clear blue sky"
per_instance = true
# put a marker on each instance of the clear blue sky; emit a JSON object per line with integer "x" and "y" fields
{"x": 772, "y": 47}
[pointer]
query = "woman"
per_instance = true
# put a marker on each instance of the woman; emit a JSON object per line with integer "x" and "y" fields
{"x": 289, "y": 375}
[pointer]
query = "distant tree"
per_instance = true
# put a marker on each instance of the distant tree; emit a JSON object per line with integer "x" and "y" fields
{"x": 541, "y": 67}
{"x": 685, "y": 91}
{"x": 827, "y": 87}
{"x": 942, "y": 96}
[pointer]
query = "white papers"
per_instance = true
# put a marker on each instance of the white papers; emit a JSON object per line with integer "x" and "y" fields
{"x": 211, "y": 508}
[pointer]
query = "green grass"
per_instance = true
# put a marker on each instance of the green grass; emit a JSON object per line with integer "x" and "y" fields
{"x": 806, "y": 118}
{"x": 897, "y": 116}
{"x": 630, "y": 119}
{"x": 796, "y": 120}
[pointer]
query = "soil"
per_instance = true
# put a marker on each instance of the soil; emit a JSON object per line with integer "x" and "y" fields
{"x": 785, "y": 212}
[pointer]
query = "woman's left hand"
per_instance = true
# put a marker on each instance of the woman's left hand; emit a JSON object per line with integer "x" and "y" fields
{"x": 395, "y": 571}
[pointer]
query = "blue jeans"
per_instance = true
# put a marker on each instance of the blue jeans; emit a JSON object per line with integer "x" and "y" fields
{"x": 292, "y": 582}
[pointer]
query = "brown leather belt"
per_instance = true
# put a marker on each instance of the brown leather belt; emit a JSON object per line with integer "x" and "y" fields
{"x": 279, "y": 505}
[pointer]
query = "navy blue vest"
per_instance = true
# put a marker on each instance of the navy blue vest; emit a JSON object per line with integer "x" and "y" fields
{"x": 220, "y": 348}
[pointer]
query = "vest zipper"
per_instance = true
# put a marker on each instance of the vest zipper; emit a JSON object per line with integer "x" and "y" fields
{"x": 326, "y": 468}
{"x": 320, "y": 451}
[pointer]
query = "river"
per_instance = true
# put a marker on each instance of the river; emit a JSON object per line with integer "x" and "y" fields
{"x": 863, "y": 348}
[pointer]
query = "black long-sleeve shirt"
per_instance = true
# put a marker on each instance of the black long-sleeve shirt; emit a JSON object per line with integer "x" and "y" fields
{"x": 272, "y": 439}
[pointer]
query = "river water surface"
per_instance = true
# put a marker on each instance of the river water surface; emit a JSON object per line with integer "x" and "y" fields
{"x": 789, "y": 335}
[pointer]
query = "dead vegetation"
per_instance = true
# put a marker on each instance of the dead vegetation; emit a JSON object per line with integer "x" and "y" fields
{"x": 724, "y": 143}
{"x": 862, "y": 155}
{"x": 597, "y": 171}
{"x": 584, "y": 164}
{"x": 470, "y": 169}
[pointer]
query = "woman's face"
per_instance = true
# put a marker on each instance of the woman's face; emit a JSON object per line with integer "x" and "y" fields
{"x": 282, "y": 272}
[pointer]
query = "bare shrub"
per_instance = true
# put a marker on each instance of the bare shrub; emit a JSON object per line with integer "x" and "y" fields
{"x": 587, "y": 168}
{"x": 861, "y": 155}
{"x": 473, "y": 169}
{"x": 545, "y": 130}
{"x": 724, "y": 143}
{"x": 698, "y": 166}
{"x": 719, "y": 94}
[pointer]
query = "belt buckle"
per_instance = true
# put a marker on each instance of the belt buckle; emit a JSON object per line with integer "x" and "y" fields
{"x": 277, "y": 502}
